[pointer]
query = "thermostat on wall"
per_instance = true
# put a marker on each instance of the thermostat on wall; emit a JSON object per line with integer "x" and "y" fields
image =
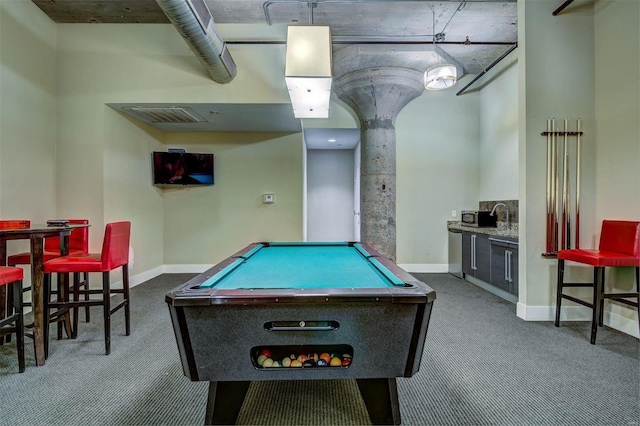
{"x": 268, "y": 198}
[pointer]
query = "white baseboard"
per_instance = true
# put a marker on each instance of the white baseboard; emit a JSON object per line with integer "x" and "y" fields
{"x": 425, "y": 268}
{"x": 134, "y": 280}
{"x": 186, "y": 269}
{"x": 577, "y": 313}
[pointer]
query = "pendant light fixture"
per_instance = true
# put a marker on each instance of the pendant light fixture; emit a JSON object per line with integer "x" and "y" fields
{"x": 308, "y": 68}
{"x": 440, "y": 76}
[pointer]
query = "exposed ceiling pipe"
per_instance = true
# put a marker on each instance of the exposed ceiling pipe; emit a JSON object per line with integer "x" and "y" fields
{"x": 195, "y": 24}
{"x": 562, "y": 7}
{"x": 504, "y": 55}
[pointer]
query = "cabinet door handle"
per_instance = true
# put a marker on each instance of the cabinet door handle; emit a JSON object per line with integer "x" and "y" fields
{"x": 508, "y": 256}
{"x": 473, "y": 252}
{"x": 506, "y": 265}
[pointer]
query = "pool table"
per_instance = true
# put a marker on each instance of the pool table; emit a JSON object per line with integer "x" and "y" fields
{"x": 301, "y": 301}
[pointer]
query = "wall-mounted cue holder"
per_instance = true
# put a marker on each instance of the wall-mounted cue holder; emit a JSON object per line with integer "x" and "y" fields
{"x": 563, "y": 187}
{"x": 307, "y": 356}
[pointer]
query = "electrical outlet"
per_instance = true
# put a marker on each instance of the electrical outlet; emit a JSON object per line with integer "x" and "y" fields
{"x": 454, "y": 213}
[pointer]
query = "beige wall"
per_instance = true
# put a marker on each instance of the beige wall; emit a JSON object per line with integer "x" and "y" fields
{"x": 204, "y": 225}
{"x": 617, "y": 86}
{"x": 498, "y": 153}
{"x": 437, "y": 171}
{"x": 556, "y": 62}
{"x": 27, "y": 116}
{"x": 27, "y": 113}
{"x": 564, "y": 73}
{"x": 104, "y": 158}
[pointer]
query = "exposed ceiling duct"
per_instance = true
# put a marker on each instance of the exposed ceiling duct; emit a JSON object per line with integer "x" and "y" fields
{"x": 195, "y": 24}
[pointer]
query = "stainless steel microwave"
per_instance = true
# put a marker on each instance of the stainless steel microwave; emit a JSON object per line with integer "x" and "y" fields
{"x": 479, "y": 218}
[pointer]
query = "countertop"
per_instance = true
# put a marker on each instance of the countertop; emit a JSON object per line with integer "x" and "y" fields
{"x": 499, "y": 231}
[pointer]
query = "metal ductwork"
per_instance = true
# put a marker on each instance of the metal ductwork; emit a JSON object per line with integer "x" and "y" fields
{"x": 195, "y": 24}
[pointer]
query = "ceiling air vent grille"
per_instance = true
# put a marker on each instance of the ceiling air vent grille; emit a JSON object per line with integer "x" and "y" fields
{"x": 168, "y": 115}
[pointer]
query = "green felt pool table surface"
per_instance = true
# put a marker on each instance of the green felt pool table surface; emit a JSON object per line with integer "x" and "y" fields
{"x": 304, "y": 266}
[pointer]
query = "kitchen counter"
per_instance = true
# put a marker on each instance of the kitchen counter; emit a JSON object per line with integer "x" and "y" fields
{"x": 500, "y": 231}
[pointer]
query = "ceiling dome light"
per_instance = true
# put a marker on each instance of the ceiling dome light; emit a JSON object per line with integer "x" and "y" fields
{"x": 440, "y": 77}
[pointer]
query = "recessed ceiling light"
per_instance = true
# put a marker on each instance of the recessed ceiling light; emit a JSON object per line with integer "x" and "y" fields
{"x": 332, "y": 140}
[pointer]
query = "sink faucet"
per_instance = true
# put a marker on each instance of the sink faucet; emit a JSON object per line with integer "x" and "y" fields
{"x": 505, "y": 207}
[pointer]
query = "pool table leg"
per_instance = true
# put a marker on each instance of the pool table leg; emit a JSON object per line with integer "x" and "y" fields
{"x": 224, "y": 402}
{"x": 381, "y": 398}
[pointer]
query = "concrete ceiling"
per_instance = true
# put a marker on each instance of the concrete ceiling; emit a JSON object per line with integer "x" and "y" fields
{"x": 473, "y": 33}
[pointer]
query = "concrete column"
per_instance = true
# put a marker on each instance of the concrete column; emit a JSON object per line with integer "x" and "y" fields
{"x": 377, "y": 95}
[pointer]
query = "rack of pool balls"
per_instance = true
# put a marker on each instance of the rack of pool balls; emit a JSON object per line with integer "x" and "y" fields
{"x": 324, "y": 359}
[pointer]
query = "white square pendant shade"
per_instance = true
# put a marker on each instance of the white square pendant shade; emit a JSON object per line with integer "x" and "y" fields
{"x": 308, "y": 70}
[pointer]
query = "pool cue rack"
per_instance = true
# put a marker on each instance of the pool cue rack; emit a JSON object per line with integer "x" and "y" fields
{"x": 563, "y": 175}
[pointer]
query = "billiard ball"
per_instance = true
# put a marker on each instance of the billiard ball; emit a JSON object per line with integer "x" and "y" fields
{"x": 307, "y": 363}
{"x": 296, "y": 363}
{"x": 335, "y": 362}
{"x": 286, "y": 362}
{"x": 302, "y": 358}
{"x": 267, "y": 363}
{"x": 326, "y": 357}
{"x": 261, "y": 359}
{"x": 266, "y": 352}
{"x": 346, "y": 362}
{"x": 346, "y": 356}
{"x": 313, "y": 357}
{"x": 321, "y": 363}
{"x": 292, "y": 357}
{"x": 276, "y": 364}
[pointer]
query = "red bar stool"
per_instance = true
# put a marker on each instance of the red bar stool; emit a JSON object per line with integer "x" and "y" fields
{"x": 115, "y": 254}
{"x": 78, "y": 245}
{"x": 5, "y": 293}
{"x": 619, "y": 246}
{"x": 13, "y": 321}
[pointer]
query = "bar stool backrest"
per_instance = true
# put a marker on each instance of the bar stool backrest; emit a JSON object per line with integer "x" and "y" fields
{"x": 621, "y": 237}
{"x": 115, "y": 247}
{"x": 14, "y": 224}
{"x": 78, "y": 239}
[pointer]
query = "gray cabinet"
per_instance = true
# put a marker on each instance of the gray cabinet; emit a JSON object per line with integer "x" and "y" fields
{"x": 476, "y": 256}
{"x": 504, "y": 264}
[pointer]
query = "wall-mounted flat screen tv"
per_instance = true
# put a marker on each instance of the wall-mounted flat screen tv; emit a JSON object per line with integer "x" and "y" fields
{"x": 182, "y": 168}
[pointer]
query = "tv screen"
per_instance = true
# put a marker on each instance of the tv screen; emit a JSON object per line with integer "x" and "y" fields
{"x": 182, "y": 168}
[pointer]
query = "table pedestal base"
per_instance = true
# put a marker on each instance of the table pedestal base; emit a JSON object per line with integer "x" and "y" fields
{"x": 380, "y": 396}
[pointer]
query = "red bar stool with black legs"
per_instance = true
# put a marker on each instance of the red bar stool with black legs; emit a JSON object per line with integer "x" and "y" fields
{"x": 114, "y": 254}
{"x": 619, "y": 247}
{"x": 5, "y": 293}
{"x": 78, "y": 245}
{"x": 13, "y": 322}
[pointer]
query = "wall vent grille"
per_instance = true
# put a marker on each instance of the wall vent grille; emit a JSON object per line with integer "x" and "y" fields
{"x": 169, "y": 115}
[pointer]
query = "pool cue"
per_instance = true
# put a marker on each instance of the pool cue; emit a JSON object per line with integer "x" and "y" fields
{"x": 549, "y": 182}
{"x": 555, "y": 185}
{"x": 564, "y": 189}
{"x": 578, "y": 187}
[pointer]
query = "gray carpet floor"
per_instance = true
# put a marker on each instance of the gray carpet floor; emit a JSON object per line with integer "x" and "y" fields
{"x": 481, "y": 366}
